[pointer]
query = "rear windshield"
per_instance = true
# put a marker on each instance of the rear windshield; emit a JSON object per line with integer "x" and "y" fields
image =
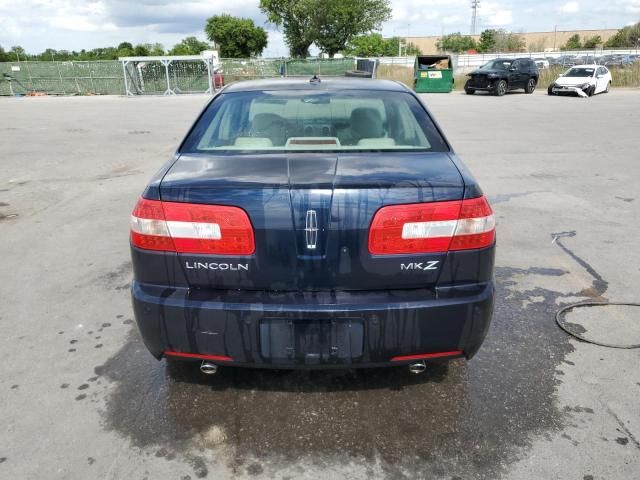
{"x": 314, "y": 121}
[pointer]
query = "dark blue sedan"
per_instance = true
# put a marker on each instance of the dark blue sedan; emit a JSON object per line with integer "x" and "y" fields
{"x": 313, "y": 224}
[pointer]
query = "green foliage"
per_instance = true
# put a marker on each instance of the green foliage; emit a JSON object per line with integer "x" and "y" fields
{"x": 408, "y": 49}
{"x": 297, "y": 21}
{"x": 339, "y": 21}
{"x": 17, "y": 53}
{"x": 509, "y": 41}
{"x": 488, "y": 40}
{"x": 236, "y": 37}
{"x": 573, "y": 43}
{"x": 374, "y": 45}
{"x": 330, "y": 24}
{"x": 491, "y": 40}
{"x": 189, "y": 46}
{"x": 593, "y": 42}
{"x": 627, "y": 37}
{"x": 370, "y": 45}
{"x": 456, "y": 43}
{"x": 124, "y": 49}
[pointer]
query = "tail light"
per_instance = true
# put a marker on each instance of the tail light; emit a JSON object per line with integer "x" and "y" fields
{"x": 432, "y": 227}
{"x": 191, "y": 228}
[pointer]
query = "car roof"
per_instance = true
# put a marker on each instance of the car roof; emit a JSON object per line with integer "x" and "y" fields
{"x": 587, "y": 65}
{"x": 325, "y": 84}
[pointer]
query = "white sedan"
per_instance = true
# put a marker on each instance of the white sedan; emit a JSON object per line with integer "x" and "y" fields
{"x": 583, "y": 80}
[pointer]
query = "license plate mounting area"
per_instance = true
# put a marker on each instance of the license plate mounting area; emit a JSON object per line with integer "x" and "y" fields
{"x": 311, "y": 341}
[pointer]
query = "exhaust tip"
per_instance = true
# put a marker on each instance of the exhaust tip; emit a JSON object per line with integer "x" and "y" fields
{"x": 417, "y": 367}
{"x": 208, "y": 368}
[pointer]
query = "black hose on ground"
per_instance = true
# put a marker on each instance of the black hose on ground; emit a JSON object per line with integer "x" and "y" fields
{"x": 560, "y": 316}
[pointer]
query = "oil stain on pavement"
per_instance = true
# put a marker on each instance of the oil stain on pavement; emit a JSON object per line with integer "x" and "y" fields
{"x": 468, "y": 419}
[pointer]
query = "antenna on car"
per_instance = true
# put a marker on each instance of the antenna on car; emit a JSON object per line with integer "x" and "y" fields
{"x": 315, "y": 79}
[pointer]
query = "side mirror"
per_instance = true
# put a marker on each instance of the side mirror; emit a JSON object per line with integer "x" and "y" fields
{"x": 512, "y": 69}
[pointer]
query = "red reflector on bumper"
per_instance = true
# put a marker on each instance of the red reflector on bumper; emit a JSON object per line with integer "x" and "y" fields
{"x": 213, "y": 358}
{"x": 425, "y": 356}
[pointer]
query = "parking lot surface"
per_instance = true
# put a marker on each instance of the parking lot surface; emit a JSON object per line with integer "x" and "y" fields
{"x": 82, "y": 398}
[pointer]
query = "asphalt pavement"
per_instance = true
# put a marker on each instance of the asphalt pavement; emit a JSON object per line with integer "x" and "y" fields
{"x": 81, "y": 397}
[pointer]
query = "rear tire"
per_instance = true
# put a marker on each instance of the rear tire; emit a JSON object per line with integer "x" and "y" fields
{"x": 500, "y": 88}
{"x": 468, "y": 90}
{"x": 531, "y": 86}
{"x": 608, "y": 87}
{"x": 550, "y": 90}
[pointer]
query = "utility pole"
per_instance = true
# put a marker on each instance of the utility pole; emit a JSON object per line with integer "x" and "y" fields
{"x": 475, "y": 4}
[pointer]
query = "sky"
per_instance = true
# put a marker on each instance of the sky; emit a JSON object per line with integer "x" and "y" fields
{"x": 76, "y": 24}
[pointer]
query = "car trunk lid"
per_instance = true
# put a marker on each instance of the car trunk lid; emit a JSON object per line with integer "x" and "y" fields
{"x": 311, "y": 214}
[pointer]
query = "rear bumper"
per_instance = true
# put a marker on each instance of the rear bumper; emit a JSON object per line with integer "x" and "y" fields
{"x": 313, "y": 329}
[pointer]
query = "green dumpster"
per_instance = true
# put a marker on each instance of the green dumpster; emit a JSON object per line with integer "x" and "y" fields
{"x": 433, "y": 73}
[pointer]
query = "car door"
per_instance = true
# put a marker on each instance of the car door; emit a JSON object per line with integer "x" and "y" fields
{"x": 516, "y": 75}
{"x": 601, "y": 79}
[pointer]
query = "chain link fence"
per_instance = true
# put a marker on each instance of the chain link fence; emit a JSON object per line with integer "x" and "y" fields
{"x": 149, "y": 77}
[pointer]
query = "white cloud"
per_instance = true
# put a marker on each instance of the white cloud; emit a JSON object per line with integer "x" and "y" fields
{"x": 631, "y": 6}
{"x": 494, "y": 15}
{"x": 77, "y": 24}
{"x": 451, "y": 19}
{"x": 570, "y": 7}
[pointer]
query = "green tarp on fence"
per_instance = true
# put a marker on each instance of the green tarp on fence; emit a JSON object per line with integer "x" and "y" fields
{"x": 107, "y": 77}
{"x": 104, "y": 77}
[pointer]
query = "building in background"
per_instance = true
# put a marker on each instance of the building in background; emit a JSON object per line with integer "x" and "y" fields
{"x": 535, "y": 41}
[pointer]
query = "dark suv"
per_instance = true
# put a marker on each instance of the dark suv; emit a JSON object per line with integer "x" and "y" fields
{"x": 313, "y": 225}
{"x": 504, "y": 74}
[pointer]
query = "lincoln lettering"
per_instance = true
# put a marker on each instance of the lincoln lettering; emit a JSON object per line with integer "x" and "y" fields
{"x": 234, "y": 267}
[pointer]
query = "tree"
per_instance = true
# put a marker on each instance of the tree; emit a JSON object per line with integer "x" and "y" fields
{"x": 330, "y": 24}
{"x": 456, "y": 43}
{"x": 141, "y": 51}
{"x": 156, "y": 49}
{"x": 17, "y": 53}
{"x": 573, "y": 43}
{"x": 337, "y": 22}
{"x": 297, "y": 21}
{"x": 487, "y": 41}
{"x": 4, "y": 56}
{"x": 189, "y": 46}
{"x": 509, "y": 41}
{"x": 370, "y": 45}
{"x": 374, "y": 45}
{"x": 236, "y": 37}
{"x": 592, "y": 42}
{"x": 124, "y": 49}
{"x": 392, "y": 47}
{"x": 627, "y": 37}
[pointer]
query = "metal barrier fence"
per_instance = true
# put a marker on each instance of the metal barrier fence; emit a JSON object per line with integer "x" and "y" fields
{"x": 153, "y": 75}
{"x": 63, "y": 78}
